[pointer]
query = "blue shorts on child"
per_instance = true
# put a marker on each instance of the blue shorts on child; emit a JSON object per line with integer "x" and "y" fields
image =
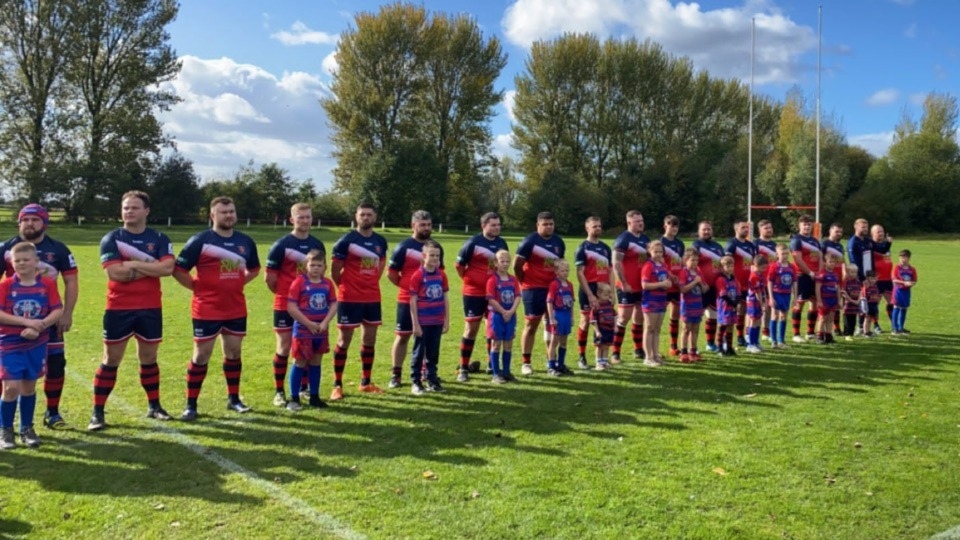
{"x": 23, "y": 364}
{"x": 563, "y": 323}
{"x": 781, "y": 301}
{"x": 499, "y": 329}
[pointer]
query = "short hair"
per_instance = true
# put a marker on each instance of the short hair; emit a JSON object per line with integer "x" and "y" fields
{"x": 653, "y": 244}
{"x": 633, "y": 214}
{"x": 860, "y": 221}
{"x": 740, "y": 220}
{"x": 834, "y": 257}
{"x": 503, "y": 251}
{"x": 604, "y": 288}
{"x": 299, "y": 207}
{"x": 223, "y": 199}
{"x": 432, "y": 244}
{"x": 905, "y": 253}
{"x": 761, "y": 260}
{"x": 484, "y": 219}
{"x": 763, "y": 223}
{"x": 142, "y": 195}
{"x": 726, "y": 259}
{"x": 705, "y": 222}
{"x": 836, "y": 226}
{"x": 544, "y": 216}
{"x": 561, "y": 263}
{"x": 783, "y": 247}
{"x": 367, "y": 206}
{"x": 591, "y": 218}
{"x": 421, "y": 215}
{"x": 691, "y": 253}
{"x": 316, "y": 255}
{"x": 805, "y": 218}
{"x": 24, "y": 247}
{"x": 850, "y": 269}
{"x": 671, "y": 220}
{"x": 870, "y": 274}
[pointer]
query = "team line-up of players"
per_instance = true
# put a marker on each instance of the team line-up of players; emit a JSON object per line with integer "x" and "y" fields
{"x": 747, "y": 287}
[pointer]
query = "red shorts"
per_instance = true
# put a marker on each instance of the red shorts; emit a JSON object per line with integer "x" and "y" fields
{"x": 306, "y": 348}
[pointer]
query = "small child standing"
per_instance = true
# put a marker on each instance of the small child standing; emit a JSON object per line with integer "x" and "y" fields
{"x": 727, "y": 298}
{"x": 655, "y": 278}
{"x": 430, "y": 314}
{"x": 904, "y": 279}
{"x": 850, "y": 293}
{"x": 502, "y": 293}
{"x": 871, "y": 298}
{"x": 756, "y": 301}
{"x": 828, "y": 292}
{"x": 781, "y": 287}
{"x": 692, "y": 288}
{"x": 604, "y": 320}
{"x": 29, "y": 305}
{"x": 560, "y": 312}
{"x": 312, "y": 301}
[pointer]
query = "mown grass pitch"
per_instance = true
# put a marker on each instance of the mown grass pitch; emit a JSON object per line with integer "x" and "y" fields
{"x": 858, "y": 440}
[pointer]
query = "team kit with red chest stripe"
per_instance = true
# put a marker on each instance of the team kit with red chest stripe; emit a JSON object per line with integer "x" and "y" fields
{"x": 739, "y": 291}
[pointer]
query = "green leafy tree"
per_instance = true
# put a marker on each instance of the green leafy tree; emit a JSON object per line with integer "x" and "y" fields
{"x": 174, "y": 189}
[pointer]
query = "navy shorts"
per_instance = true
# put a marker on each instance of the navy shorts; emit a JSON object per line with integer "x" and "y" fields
{"x": 673, "y": 297}
{"x": 584, "y": 300}
{"x": 629, "y": 298}
{"x": 23, "y": 365}
{"x": 119, "y": 325}
{"x": 500, "y": 330}
{"x": 692, "y": 319}
{"x": 781, "y": 301}
{"x": 873, "y": 309}
{"x": 207, "y": 330}
{"x": 564, "y": 323}
{"x": 602, "y": 336}
{"x": 885, "y": 288}
{"x": 474, "y": 307}
{"x": 305, "y": 348}
{"x": 806, "y": 289}
{"x": 404, "y": 320}
{"x": 282, "y": 321}
{"x": 353, "y": 314}
{"x": 534, "y": 303}
{"x": 710, "y": 299}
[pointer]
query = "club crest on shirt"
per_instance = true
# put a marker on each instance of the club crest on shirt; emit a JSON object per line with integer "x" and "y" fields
{"x": 434, "y": 292}
{"x": 28, "y": 309}
{"x": 49, "y": 257}
{"x": 318, "y": 301}
{"x": 242, "y": 250}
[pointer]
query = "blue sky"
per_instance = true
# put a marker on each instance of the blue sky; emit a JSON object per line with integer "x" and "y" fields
{"x": 253, "y": 71}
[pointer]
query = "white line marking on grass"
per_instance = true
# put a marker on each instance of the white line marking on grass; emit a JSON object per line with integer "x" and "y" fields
{"x": 326, "y": 521}
{"x": 952, "y": 534}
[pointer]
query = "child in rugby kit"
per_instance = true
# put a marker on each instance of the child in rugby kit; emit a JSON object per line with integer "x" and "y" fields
{"x": 728, "y": 295}
{"x": 503, "y": 293}
{"x": 560, "y": 312}
{"x": 870, "y": 298}
{"x": 604, "y": 320}
{"x": 430, "y": 311}
{"x": 904, "y": 278}
{"x": 756, "y": 301}
{"x": 850, "y": 297}
{"x": 312, "y": 302}
{"x": 692, "y": 288}
{"x": 781, "y": 287}
{"x": 655, "y": 278}
{"x": 828, "y": 294}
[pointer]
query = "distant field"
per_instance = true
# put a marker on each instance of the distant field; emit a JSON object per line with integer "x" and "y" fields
{"x": 858, "y": 440}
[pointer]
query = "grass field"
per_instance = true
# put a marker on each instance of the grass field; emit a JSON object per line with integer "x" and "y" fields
{"x": 858, "y": 440}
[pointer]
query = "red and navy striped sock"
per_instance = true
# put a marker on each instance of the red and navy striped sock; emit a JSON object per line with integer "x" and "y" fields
{"x": 366, "y": 364}
{"x": 466, "y": 351}
{"x": 618, "y": 335}
{"x": 232, "y": 368}
{"x": 53, "y": 381}
{"x": 741, "y": 323}
{"x": 581, "y": 341}
{"x": 795, "y": 319}
{"x": 196, "y": 373}
{"x": 674, "y": 332}
{"x": 103, "y": 382}
{"x": 811, "y": 321}
{"x": 636, "y": 332}
{"x": 150, "y": 381}
{"x": 279, "y": 371}
{"x": 710, "y": 329}
{"x": 339, "y": 362}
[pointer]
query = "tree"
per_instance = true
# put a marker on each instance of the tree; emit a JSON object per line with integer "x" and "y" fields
{"x": 276, "y": 192}
{"x": 174, "y": 189}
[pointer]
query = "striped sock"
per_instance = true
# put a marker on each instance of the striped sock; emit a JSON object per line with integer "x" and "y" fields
{"x": 366, "y": 364}
{"x": 280, "y": 372}
{"x": 150, "y": 381}
{"x": 339, "y": 362}
{"x": 795, "y": 318}
{"x": 581, "y": 341}
{"x": 674, "y": 332}
{"x": 618, "y": 336}
{"x": 636, "y": 332}
{"x": 466, "y": 352}
{"x": 232, "y": 369}
{"x": 196, "y": 373}
{"x": 103, "y": 382}
{"x": 53, "y": 381}
{"x": 710, "y": 329}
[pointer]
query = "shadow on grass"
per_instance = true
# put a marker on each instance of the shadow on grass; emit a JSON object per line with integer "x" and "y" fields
{"x": 12, "y": 528}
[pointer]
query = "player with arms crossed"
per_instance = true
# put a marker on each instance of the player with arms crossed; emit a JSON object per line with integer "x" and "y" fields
{"x": 743, "y": 252}
{"x": 533, "y": 267}
{"x": 709, "y": 267}
{"x": 592, "y": 259}
{"x": 629, "y": 256}
{"x": 673, "y": 249}
{"x": 806, "y": 252}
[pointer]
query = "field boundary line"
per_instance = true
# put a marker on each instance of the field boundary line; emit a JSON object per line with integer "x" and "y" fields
{"x": 952, "y": 534}
{"x": 329, "y": 523}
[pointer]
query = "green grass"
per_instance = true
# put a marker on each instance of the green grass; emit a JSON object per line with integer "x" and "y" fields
{"x": 858, "y": 440}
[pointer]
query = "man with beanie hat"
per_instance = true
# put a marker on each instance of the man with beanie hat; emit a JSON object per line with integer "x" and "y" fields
{"x": 55, "y": 260}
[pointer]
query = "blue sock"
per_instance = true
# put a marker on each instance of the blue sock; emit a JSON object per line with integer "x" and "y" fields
{"x": 903, "y": 318}
{"x": 495, "y": 362}
{"x": 28, "y": 404}
{"x": 8, "y": 409}
{"x": 313, "y": 375}
{"x": 507, "y": 356}
{"x": 562, "y": 357}
{"x": 773, "y": 331}
{"x": 296, "y": 380}
{"x": 755, "y": 336}
{"x": 551, "y": 364}
{"x": 782, "y": 327}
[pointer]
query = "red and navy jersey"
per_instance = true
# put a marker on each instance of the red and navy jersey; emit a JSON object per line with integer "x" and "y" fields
{"x": 539, "y": 254}
{"x": 836, "y": 249}
{"x": 595, "y": 259}
{"x": 560, "y": 295}
{"x": 727, "y": 294}
{"x": 55, "y": 257}
{"x": 313, "y": 299}
{"x": 710, "y": 254}
{"x": 503, "y": 291}
{"x": 654, "y": 299}
{"x": 829, "y": 288}
{"x": 807, "y": 249}
{"x": 851, "y": 289}
{"x": 30, "y": 302}
{"x": 477, "y": 262}
{"x": 691, "y": 302}
{"x": 604, "y": 317}
{"x": 287, "y": 259}
{"x": 633, "y": 249}
{"x": 782, "y": 277}
{"x": 121, "y": 245}
{"x": 881, "y": 260}
{"x": 406, "y": 259}
{"x": 756, "y": 289}
{"x": 743, "y": 253}
{"x": 222, "y": 264}
{"x": 766, "y": 247}
{"x": 430, "y": 288}
{"x": 902, "y": 273}
{"x": 871, "y": 293}
{"x": 361, "y": 257}
{"x": 673, "y": 257}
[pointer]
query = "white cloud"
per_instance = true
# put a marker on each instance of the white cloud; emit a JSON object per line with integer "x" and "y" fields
{"x": 301, "y": 34}
{"x": 232, "y": 113}
{"x": 509, "y": 97}
{"x": 329, "y": 63}
{"x": 883, "y": 97}
{"x": 917, "y": 98}
{"x": 875, "y": 143}
{"x": 717, "y": 40}
{"x": 503, "y": 146}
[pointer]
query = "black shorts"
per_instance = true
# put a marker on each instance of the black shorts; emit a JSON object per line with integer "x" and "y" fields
{"x": 710, "y": 299}
{"x": 207, "y": 330}
{"x": 353, "y": 314}
{"x": 885, "y": 288}
{"x": 534, "y": 303}
{"x": 404, "y": 320}
{"x": 673, "y": 297}
{"x": 119, "y": 325}
{"x": 806, "y": 288}
{"x": 474, "y": 308}
{"x": 582, "y": 296}
{"x": 282, "y": 321}
{"x": 629, "y": 298}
